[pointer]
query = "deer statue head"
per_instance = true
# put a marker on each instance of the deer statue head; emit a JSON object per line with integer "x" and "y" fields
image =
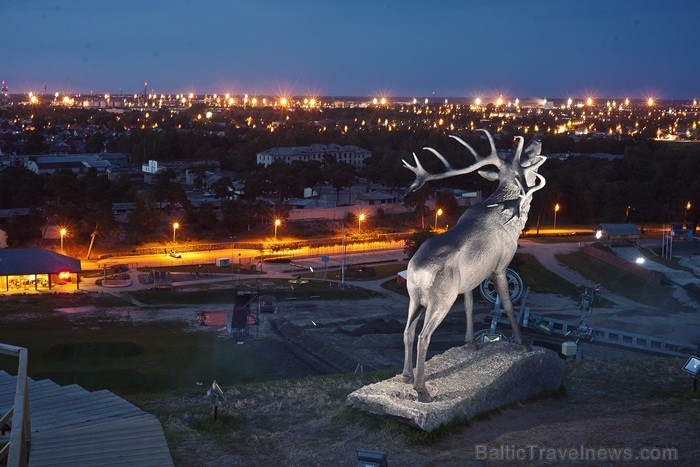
{"x": 517, "y": 175}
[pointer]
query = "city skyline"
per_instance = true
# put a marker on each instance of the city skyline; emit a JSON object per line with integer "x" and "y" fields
{"x": 362, "y": 48}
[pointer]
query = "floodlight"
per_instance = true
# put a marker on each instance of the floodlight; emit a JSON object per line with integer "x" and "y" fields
{"x": 692, "y": 366}
{"x": 598, "y": 234}
{"x": 492, "y": 338}
{"x": 639, "y": 260}
{"x": 371, "y": 459}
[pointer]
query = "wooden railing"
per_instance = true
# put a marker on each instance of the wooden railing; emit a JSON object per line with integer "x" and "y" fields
{"x": 16, "y": 450}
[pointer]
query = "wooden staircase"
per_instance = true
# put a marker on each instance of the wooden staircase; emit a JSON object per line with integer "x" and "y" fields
{"x": 74, "y": 427}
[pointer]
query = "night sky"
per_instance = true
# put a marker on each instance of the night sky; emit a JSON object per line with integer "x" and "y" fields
{"x": 464, "y": 48}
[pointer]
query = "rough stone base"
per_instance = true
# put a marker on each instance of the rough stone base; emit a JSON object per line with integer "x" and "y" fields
{"x": 464, "y": 383}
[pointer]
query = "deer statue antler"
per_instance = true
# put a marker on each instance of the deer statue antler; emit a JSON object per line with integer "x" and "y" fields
{"x": 423, "y": 175}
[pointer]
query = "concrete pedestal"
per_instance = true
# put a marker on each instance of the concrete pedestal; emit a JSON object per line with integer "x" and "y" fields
{"x": 464, "y": 383}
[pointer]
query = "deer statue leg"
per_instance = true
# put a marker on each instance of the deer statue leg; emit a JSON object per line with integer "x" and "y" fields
{"x": 501, "y": 283}
{"x": 469, "y": 310}
{"x": 409, "y": 334}
{"x": 434, "y": 314}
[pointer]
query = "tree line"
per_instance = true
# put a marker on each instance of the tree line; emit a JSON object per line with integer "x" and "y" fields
{"x": 650, "y": 183}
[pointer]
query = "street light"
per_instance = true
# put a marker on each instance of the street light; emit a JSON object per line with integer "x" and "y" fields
{"x": 687, "y": 210}
{"x": 556, "y": 210}
{"x": 277, "y": 224}
{"x": 63, "y": 234}
{"x": 176, "y": 225}
{"x": 437, "y": 213}
{"x": 360, "y": 218}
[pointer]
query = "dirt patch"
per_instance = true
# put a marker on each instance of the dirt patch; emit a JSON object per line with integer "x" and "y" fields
{"x": 77, "y": 309}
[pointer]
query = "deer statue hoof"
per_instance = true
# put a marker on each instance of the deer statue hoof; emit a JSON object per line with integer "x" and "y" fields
{"x": 407, "y": 378}
{"x": 526, "y": 347}
{"x": 471, "y": 345}
{"x": 424, "y": 396}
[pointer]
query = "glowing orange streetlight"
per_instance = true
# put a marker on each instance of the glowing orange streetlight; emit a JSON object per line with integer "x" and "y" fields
{"x": 556, "y": 210}
{"x": 63, "y": 233}
{"x": 360, "y": 218}
{"x": 437, "y": 213}
{"x": 176, "y": 225}
{"x": 277, "y": 224}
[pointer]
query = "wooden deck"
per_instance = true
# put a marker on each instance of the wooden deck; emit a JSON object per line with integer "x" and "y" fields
{"x": 74, "y": 427}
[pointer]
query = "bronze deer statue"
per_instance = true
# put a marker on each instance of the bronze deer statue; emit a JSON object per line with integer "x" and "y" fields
{"x": 480, "y": 245}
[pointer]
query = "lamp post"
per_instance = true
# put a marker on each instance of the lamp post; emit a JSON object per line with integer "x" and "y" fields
{"x": 232, "y": 245}
{"x": 360, "y": 218}
{"x": 277, "y": 224}
{"x": 63, "y": 234}
{"x": 556, "y": 210}
{"x": 437, "y": 213}
{"x": 176, "y": 225}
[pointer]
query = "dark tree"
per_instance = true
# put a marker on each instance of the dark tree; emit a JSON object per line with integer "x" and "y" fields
{"x": 416, "y": 240}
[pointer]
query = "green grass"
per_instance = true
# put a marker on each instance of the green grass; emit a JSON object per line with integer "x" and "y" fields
{"x": 541, "y": 279}
{"x": 208, "y": 268}
{"x": 559, "y": 238}
{"x": 531, "y": 271}
{"x": 381, "y": 271}
{"x": 281, "y": 289}
{"x": 694, "y": 291}
{"x": 108, "y": 352}
{"x": 620, "y": 282}
{"x": 48, "y": 302}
